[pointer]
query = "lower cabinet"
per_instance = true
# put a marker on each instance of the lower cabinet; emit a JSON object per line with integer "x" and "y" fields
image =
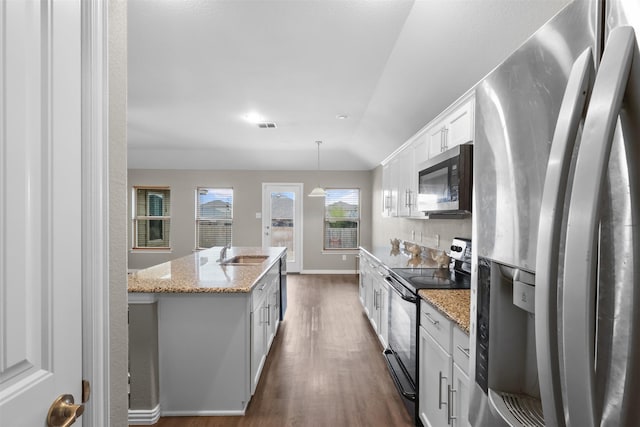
{"x": 435, "y": 365}
{"x": 265, "y": 300}
{"x": 374, "y": 295}
{"x": 443, "y": 370}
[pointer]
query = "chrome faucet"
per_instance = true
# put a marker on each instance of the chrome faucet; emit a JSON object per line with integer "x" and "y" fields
{"x": 223, "y": 252}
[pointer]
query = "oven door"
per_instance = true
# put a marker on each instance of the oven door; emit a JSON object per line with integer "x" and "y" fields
{"x": 401, "y": 355}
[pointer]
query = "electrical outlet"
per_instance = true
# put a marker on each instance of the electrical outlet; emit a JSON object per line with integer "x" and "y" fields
{"x": 344, "y": 257}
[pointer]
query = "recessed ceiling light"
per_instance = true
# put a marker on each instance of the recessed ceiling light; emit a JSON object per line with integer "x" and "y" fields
{"x": 342, "y": 117}
{"x": 253, "y": 117}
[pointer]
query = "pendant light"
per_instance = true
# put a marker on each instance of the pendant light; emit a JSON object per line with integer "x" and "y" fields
{"x": 318, "y": 191}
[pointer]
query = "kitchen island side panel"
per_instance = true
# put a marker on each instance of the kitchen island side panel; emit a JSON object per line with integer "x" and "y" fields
{"x": 204, "y": 353}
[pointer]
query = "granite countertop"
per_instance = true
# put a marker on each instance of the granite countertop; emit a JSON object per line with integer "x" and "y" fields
{"x": 454, "y": 303}
{"x": 201, "y": 273}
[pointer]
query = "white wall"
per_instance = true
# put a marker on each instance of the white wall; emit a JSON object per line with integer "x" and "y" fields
{"x": 247, "y": 230}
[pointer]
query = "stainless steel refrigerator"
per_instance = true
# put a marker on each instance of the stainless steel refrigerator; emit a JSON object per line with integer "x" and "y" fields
{"x": 555, "y": 335}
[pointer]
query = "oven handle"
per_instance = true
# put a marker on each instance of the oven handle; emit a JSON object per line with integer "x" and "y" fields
{"x": 394, "y": 285}
{"x": 411, "y": 395}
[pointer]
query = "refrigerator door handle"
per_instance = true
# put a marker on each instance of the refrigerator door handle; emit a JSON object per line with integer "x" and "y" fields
{"x": 549, "y": 230}
{"x": 580, "y": 267}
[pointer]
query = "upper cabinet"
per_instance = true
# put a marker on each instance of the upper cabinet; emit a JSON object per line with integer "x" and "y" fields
{"x": 453, "y": 127}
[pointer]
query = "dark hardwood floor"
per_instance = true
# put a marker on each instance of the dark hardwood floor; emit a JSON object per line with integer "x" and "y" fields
{"x": 325, "y": 367}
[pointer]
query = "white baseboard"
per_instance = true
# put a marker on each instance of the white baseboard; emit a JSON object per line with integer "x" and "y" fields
{"x": 329, "y": 272}
{"x": 144, "y": 416}
{"x": 203, "y": 413}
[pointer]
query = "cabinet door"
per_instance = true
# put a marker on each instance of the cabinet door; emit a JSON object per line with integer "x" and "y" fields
{"x": 272, "y": 310}
{"x": 394, "y": 186}
{"x": 436, "y": 139}
{"x": 386, "y": 190}
{"x": 407, "y": 182}
{"x": 460, "y": 398}
{"x": 258, "y": 339}
{"x": 460, "y": 125}
{"x": 373, "y": 301}
{"x": 383, "y": 311}
{"x": 435, "y": 375}
{"x": 420, "y": 155}
{"x": 362, "y": 292}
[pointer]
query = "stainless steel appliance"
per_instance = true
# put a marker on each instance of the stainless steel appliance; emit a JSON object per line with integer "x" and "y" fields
{"x": 556, "y": 307}
{"x": 404, "y": 284}
{"x": 445, "y": 182}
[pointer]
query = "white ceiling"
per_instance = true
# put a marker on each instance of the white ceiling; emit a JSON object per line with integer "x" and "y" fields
{"x": 196, "y": 67}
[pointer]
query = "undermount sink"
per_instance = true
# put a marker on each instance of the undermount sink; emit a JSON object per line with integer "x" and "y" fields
{"x": 245, "y": 260}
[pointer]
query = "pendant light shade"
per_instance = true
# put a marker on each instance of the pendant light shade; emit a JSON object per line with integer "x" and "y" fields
{"x": 318, "y": 191}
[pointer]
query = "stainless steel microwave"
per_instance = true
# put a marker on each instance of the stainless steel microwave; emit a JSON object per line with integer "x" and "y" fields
{"x": 445, "y": 182}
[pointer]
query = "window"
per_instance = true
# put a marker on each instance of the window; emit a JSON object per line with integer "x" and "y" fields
{"x": 214, "y": 217}
{"x": 342, "y": 219}
{"x": 151, "y": 217}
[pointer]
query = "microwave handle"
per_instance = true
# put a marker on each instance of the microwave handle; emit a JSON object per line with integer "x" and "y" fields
{"x": 549, "y": 231}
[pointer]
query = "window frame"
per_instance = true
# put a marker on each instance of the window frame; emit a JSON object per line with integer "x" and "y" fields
{"x": 227, "y": 221}
{"x": 148, "y": 217}
{"x": 326, "y": 219}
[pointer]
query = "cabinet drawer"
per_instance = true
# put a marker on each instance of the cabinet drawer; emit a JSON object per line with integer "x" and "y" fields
{"x": 259, "y": 294}
{"x": 436, "y": 324}
{"x": 460, "y": 349}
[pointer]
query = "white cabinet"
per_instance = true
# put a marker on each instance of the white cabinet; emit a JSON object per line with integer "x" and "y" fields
{"x": 379, "y": 316}
{"x": 390, "y": 187}
{"x": 435, "y": 365}
{"x": 407, "y": 182}
{"x": 460, "y": 397}
{"x": 258, "y": 338}
{"x": 383, "y": 313}
{"x": 454, "y": 127}
{"x": 443, "y": 366}
{"x": 265, "y": 301}
{"x": 374, "y": 293}
{"x": 400, "y": 182}
{"x": 460, "y": 388}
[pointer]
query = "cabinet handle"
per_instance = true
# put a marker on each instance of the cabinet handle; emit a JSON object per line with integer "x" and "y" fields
{"x": 464, "y": 351}
{"x": 269, "y": 314}
{"x": 440, "y": 402}
{"x": 446, "y": 138}
{"x": 450, "y": 398}
{"x": 431, "y": 319}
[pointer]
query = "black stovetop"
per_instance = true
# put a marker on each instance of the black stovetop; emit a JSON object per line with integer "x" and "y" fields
{"x": 432, "y": 278}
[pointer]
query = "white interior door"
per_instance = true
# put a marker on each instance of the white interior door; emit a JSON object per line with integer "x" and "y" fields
{"x": 282, "y": 220}
{"x": 40, "y": 214}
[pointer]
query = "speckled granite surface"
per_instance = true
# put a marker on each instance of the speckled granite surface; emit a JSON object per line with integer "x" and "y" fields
{"x": 453, "y": 303}
{"x": 201, "y": 273}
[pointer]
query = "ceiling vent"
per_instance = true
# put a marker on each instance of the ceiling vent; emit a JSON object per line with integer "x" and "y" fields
{"x": 266, "y": 125}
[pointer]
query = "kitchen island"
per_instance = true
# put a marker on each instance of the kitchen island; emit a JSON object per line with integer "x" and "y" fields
{"x": 214, "y": 323}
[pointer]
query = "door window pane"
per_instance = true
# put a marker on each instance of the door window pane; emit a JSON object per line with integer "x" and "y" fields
{"x": 282, "y": 221}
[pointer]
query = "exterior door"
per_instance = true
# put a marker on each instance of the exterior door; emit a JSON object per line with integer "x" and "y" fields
{"x": 40, "y": 208}
{"x": 282, "y": 220}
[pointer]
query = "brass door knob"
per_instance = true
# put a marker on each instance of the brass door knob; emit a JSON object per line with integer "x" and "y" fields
{"x": 64, "y": 412}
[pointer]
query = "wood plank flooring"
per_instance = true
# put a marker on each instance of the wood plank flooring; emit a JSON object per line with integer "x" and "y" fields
{"x": 325, "y": 367}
